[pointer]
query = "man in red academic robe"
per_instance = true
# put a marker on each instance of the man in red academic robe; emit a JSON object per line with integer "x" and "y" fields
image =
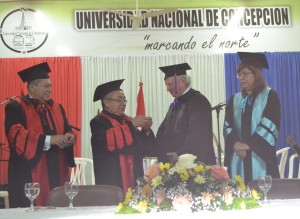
{"x": 40, "y": 139}
{"x": 118, "y": 145}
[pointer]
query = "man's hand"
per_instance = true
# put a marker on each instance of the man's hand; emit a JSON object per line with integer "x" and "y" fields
{"x": 240, "y": 149}
{"x": 71, "y": 138}
{"x": 148, "y": 124}
{"x": 59, "y": 140}
{"x": 241, "y": 154}
{"x": 142, "y": 121}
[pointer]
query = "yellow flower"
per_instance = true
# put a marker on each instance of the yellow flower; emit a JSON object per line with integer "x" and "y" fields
{"x": 164, "y": 166}
{"x": 199, "y": 179}
{"x": 156, "y": 181}
{"x": 238, "y": 179}
{"x": 128, "y": 195}
{"x": 184, "y": 175}
{"x": 167, "y": 166}
{"x": 120, "y": 206}
{"x": 199, "y": 168}
{"x": 240, "y": 182}
{"x": 242, "y": 187}
{"x": 208, "y": 185}
{"x": 142, "y": 206}
{"x": 255, "y": 194}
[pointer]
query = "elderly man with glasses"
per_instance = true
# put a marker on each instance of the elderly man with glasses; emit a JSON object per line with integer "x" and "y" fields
{"x": 117, "y": 142}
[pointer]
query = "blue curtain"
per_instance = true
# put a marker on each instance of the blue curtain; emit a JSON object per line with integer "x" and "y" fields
{"x": 284, "y": 77}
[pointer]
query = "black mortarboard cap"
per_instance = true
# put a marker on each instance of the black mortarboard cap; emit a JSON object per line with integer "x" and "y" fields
{"x": 172, "y": 70}
{"x": 103, "y": 89}
{"x": 39, "y": 71}
{"x": 257, "y": 59}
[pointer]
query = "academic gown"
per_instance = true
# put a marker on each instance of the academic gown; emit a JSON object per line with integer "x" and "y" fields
{"x": 258, "y": 143}
{"x": 107, "y": 152}
{"x": 27, "y": 123}
{"x": 187, "y": 128}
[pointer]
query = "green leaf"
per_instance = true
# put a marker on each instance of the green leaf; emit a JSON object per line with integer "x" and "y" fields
{"x": 128, "y": 210}
{"x": 165, "y": 205}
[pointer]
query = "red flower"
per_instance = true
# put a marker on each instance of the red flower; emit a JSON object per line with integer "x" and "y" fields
{"x": 219, "y": 172}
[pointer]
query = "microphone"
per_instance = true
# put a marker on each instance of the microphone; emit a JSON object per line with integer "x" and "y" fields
{"x": 219, "y": 106}
{"x": 8, "y": 99}
{"x": 293, "y": 144}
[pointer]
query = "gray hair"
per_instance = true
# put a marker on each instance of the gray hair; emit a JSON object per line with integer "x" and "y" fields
{"x": 186, "y": 78}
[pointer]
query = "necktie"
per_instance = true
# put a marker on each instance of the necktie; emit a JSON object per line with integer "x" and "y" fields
{"x": 174, "y": 105}
{"x": 247, "y": 100}
{"x": 43, "y": 109}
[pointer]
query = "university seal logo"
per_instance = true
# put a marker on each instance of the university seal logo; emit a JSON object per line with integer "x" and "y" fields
{"x": 24, "y": 30}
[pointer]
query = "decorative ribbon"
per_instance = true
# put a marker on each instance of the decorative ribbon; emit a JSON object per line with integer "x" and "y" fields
{"x": 175, "y": 84}
{"x": 43, "y": 109}
{"x": 174, "y": 105}
{"x": 247, "y": 100}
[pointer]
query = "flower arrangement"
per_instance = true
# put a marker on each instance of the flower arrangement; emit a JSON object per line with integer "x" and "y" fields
{"x": 187, "y": 185}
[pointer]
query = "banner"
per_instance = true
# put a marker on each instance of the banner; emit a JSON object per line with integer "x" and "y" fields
{"x": 43, "y": 29}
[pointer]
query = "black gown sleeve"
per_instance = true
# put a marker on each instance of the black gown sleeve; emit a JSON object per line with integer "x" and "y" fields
{"x": 232, "y": 137}
{"x": 23, "y": 142}
{"x": 258, "y": 144}
{"x": 69, "y": 151}
{"x": 13, "y": 115}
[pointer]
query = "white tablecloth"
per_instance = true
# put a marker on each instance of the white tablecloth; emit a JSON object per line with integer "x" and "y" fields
{"x": 276, "y": 209}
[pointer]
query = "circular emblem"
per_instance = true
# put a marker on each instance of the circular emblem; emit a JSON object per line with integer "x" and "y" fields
{"x": 23, "y": 30}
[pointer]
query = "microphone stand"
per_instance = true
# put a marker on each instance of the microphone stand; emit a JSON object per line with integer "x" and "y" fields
{"x": 293, "y": 144}
{"x": 8, "y": 100}
{"x": 218, "y": 108}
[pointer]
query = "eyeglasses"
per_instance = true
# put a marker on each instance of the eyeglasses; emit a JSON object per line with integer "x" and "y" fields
{"x": 243, "y": 74}
{"x": 119, "y": 101}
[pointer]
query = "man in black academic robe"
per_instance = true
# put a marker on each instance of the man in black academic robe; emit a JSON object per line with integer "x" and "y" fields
{"x": 187, "y": 127}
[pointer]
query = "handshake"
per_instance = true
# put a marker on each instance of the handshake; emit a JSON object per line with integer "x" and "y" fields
{"x": 142, "y": 121}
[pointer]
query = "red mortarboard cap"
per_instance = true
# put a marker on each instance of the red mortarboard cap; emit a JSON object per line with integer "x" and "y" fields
{"x": 39, "y": 71}
{"x": 257, "y": 59}
{"x": 103, "y": 89}
{"x": 172, "y": 70}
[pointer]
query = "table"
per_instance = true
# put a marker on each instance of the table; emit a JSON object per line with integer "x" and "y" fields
{"x": 276, "y": 209}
